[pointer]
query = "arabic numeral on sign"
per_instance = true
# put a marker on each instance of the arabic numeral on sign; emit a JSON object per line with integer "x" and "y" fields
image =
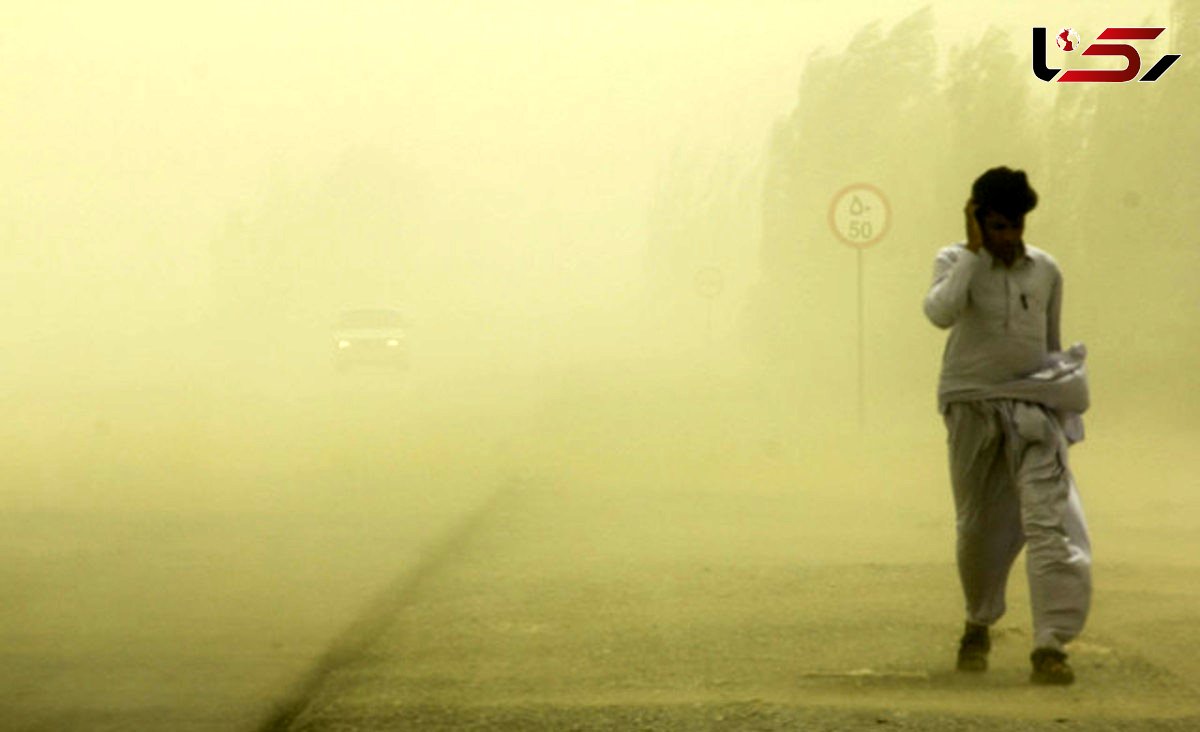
{"x": 859, "y": 215}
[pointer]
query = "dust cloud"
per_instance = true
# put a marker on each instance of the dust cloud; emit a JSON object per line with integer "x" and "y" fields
{"x": 608, "y": 228}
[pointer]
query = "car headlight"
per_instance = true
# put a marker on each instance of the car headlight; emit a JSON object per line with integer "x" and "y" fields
{"x": 343, "y": 343}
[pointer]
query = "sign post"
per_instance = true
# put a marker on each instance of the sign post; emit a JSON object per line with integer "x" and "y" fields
{"x": 860, "y": 216}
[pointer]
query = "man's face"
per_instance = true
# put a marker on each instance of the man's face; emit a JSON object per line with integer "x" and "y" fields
{"x": 1002, "y": 236}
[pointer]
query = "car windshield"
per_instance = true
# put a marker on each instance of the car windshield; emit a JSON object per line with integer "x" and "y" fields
{"x": 370, "y": 319}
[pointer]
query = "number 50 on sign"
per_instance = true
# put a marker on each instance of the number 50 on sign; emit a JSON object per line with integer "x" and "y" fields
{"x": 859, "y": 215}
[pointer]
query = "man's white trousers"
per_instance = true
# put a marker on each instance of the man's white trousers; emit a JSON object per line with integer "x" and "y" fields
{"x": 1013, "y": 488}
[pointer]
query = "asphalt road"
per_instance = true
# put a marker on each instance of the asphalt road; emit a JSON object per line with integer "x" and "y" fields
{"x": 180, "y": 559}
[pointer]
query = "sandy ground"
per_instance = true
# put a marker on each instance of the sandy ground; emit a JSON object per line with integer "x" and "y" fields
{"x": 783, "y": 599}
{"x": 262, "y": 555}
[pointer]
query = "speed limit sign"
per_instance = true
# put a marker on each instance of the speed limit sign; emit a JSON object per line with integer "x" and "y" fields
{"x": 860, "y": 215}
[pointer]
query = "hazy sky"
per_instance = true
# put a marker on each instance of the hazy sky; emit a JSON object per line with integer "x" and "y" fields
{"x": 130, "y": 126}
{"x": 177, "y": 101}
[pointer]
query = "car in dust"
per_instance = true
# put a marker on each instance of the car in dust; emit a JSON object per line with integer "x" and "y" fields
{"x": 371, "y": 338}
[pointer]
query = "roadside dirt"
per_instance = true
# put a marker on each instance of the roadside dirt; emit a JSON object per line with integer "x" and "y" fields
{"x": 659, "y": 610}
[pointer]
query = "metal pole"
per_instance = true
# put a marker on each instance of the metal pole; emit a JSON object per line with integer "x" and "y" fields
{"x": 861, "y": 345}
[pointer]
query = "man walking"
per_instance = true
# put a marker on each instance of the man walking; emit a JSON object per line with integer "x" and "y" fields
{"x": 1001, "y": 300}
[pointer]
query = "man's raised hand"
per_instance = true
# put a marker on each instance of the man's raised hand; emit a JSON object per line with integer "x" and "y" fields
{"x": 974, "y": 235}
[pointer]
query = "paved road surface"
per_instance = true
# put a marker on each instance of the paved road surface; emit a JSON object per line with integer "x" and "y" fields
{"x": 178, "y": 561}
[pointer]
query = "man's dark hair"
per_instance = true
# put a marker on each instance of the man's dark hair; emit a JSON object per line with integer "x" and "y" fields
{"x": 1005, "y": 191}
